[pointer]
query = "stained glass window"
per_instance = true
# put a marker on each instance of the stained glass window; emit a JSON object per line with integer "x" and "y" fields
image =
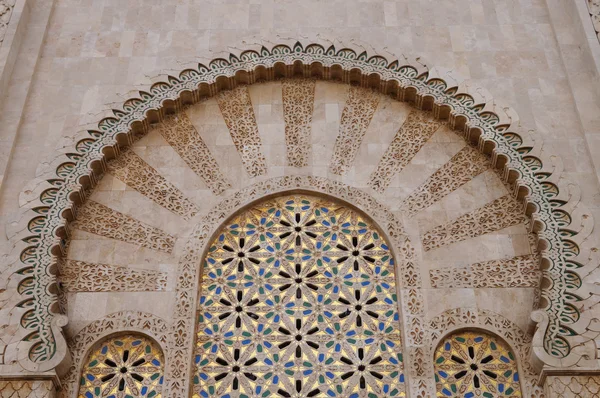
{"x": 125, "y": 366}
{"x": 475, "y": 364}
{"x": 298, "y": 300}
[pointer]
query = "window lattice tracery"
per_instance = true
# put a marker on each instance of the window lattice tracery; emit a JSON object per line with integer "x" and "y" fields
{"x": 126, "y": 366}
{"x": 475, "y": 364}
{"x": 299, "y": 300}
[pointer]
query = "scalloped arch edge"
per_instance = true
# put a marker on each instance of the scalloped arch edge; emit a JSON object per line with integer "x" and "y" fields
{"x": 40, "y": 232}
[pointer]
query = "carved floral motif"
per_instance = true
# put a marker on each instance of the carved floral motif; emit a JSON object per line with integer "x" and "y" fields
{"x": 298, "y": 103}
{"x": 521, "y": 271}
{"x": 81, "y": 276}
{"x": 459, "y": 170}
{"x": 238, "y": 113}
{"x": 135, "y": 172}
{"x": 359, "y": 109}
{"x": 181, "y": 134}
{"x": 501, "y": 213}
{"x": 410, "y": 138}
{"x": 101, "y": 220}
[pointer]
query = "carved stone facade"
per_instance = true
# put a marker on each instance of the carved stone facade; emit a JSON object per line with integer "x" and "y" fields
{"x": 27, "y": 389}
{"x": 573, "y": 386}
{"x": 594, "y": 10}
{"x": 138, "y": 247}
{"x": 494, "y": 219}
{"x": 114, "y": 244}
{"x": 6, "y": 9}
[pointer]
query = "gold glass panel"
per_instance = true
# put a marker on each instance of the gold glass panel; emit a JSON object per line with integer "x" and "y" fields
{"x": 298, "y": 300}
{"x": 126, "y": 366}
{"x": 473, "y": 364}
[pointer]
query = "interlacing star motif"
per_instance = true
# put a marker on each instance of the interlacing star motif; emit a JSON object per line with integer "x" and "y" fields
{"x": 298, "y": 280}
{"x": 238, "y": 253}
{"x": 240, "y": 310}
{"x": 298, "y": 300}
{"x": 472, "y": 364}
{"x": 121, "y": 367}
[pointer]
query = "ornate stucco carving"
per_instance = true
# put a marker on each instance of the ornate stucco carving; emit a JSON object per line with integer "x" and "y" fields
{"x": 561, "y": 222}
{"x": 573, "y": 386}
{"x": 6, "y": 9}
{"x": 594, "y": 9}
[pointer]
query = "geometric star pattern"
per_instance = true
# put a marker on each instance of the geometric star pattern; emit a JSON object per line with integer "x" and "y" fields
{"x": 474, "y": 364}
{"x": 298, "y": 300}
{"x": 126, "y": 366}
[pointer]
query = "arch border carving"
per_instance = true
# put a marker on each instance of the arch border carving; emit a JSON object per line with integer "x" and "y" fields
{"x": 52, "y": 201}
{"x": 117, "y": 322}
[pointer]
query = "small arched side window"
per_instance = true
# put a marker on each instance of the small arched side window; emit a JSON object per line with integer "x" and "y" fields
{"x": 123, "y": 366}
{"x": 475, "y": 364}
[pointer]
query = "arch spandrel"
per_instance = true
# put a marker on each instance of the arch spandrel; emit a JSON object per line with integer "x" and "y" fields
{"x": 484, "y": 123}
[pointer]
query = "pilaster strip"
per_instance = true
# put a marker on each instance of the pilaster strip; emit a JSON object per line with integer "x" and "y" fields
{"x": 519, "y": 271}
{"x": 81, "y": 276}
{"x": 139, "y": 175}
{"x": 462, "y": 168}
{"x": 298, "y": 102}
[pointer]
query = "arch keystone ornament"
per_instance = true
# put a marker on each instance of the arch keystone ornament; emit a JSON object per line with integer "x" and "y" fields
{"x": 40, "y": 235}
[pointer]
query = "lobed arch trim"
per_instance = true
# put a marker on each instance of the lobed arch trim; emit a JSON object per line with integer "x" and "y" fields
{"x": 561, "y": 222}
